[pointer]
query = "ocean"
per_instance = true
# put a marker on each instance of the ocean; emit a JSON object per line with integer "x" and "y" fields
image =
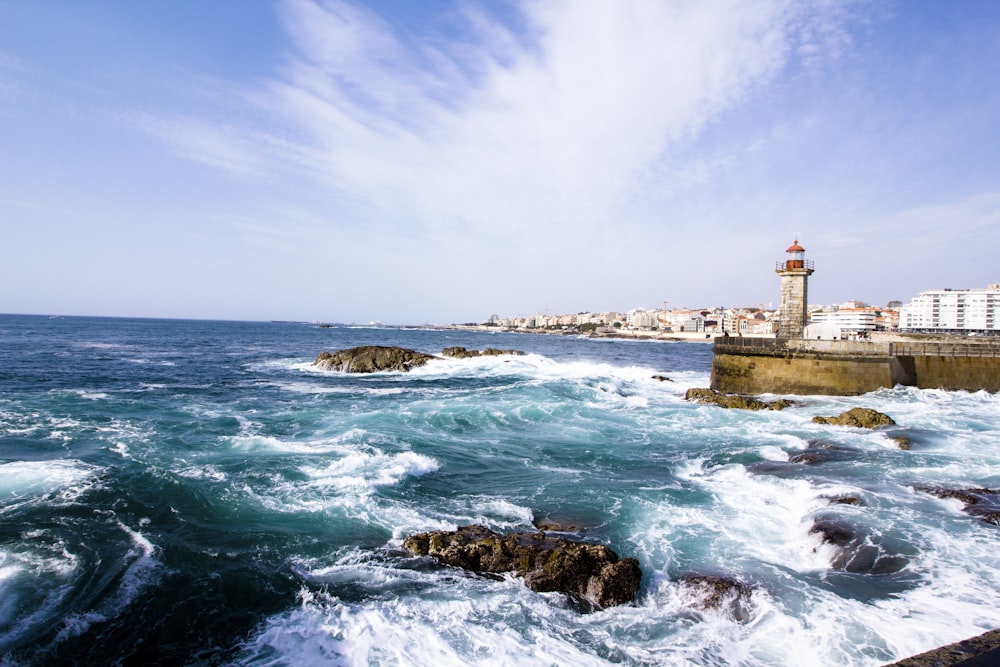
{"x": 196, "y": 493}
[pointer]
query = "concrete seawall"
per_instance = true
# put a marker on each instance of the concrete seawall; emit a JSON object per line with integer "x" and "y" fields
{"x": 846, "y": 368}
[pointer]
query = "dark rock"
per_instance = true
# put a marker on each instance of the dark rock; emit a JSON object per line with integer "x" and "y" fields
{"x": 856, "y": 552}
{"x": 901, "y": 441}
{"x": 820, "y": 451}
{"x": 556, "y": 525}
{"x": 846, "y": 500}
{"x": 592, "y": 572}
{"x": 776, "y": 468}
{"x": 988, "y": 516}
{"x": 720, "y": 593}
{"x": 967, "y": 496}
{"x": 983, "y": 504}
{"x": 827, "y": 445}
{"x": 738, "y": 401}
{"x": 834, "y": 532}
{"x": 458, "y": 352}
{"x": 859, "y": 417}
{"x": 494, "y": 352}
{"x": 662, "y": 378}
{"x": 809, "y": 456}
{"x": 980, "y": 651}
{"x": 371, "y": 359}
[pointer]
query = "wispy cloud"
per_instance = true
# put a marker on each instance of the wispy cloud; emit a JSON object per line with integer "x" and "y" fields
{"x": 217, "y": 144}
{"x": 548, "y": 127}
{"x": 503, "y": 141}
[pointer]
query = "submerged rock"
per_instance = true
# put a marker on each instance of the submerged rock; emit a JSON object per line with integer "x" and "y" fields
{"x": 846, "y": 500}
{"x": 810, "y": 457}
{"x": 738, "y": 401}
{"x": 834, "y": 532}
{"x": 856, "y": 552}
{"x": 458, "y": 352}
{"x": 981, "y": 503}
{"x": 494, "y": 352}
{"x": 859, "y": 417}
{"x": 902, "y": 441}
{"x": 371, "y": 359}
{"x": 717, "y": 593}
{"x": 592, "y": 572}
{"x": 820, "y": 451}
{"x": 559, "y": 524}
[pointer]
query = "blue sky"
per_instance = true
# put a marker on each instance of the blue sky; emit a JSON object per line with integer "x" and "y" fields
{"x": 441, "y": 161}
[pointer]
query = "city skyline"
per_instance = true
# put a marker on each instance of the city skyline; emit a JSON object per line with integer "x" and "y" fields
{"x": 436, "y": 162}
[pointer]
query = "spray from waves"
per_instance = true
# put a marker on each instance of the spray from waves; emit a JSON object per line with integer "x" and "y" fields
{"x": 532, "y": 366}
{"x": 421, "y": 619}
{"x": 418, "y": 613}
{"x": 767, "y": 518}
{"x": 362, "y": 472}
{"x": 21, "y": 480}
{"x": 341, "y": 477}
{"x": 826, "y": 611}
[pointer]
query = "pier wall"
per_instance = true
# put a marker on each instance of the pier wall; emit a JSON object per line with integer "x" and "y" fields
{"x": 846, "y": 368}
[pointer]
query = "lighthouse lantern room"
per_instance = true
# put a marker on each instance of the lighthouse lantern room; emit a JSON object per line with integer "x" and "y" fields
{"x": 794, "y": 272}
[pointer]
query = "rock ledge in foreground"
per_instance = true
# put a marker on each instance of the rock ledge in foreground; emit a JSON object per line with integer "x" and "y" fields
{"x": 978, "y": 651}
{"x": 592, "y": 572}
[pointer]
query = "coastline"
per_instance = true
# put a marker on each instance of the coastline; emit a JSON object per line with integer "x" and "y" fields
{"x": 671, "y": 336}
{"x": 627, "y": 334}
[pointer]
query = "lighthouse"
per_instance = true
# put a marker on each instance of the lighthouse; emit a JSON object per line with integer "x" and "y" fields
{"x": 794, "y": 272}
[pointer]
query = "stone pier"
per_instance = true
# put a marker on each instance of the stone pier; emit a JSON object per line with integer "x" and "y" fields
{"x": 847, "y": 368}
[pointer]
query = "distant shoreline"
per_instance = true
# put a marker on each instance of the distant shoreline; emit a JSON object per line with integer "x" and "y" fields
{"x": 688, "y": 336}
{"x": 628, "y": 334}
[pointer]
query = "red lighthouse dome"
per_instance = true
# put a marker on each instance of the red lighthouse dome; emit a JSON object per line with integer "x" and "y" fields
{"x": 795, "y": 256}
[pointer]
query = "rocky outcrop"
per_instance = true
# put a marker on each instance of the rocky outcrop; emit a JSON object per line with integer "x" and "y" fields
{"x": 462, "y": 353}
{"x": 588, "y": 572}
{"x": 371, "y": 359}
{"x": 739, "y": 401}
{"x": 981, "y": 503}
{"x": 859, "y": 417}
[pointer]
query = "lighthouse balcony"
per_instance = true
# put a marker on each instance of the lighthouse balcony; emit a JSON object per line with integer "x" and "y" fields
{"x": 793, "y": 264}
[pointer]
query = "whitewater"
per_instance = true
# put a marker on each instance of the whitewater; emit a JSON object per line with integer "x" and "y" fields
{"x": 190, "y": 492}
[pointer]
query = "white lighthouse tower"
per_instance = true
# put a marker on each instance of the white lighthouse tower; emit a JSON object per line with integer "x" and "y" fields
{"x": 794, "y": 272}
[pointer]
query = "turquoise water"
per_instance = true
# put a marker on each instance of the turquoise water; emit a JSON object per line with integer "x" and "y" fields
{"x": 180, "y": 492}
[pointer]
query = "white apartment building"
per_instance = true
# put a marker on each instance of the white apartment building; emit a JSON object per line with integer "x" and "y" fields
{"x": 640, "y": 318}
{"x": 953, "y": 311}
{"x": 685, "y": 320}
{"x": 847, "y": 320}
